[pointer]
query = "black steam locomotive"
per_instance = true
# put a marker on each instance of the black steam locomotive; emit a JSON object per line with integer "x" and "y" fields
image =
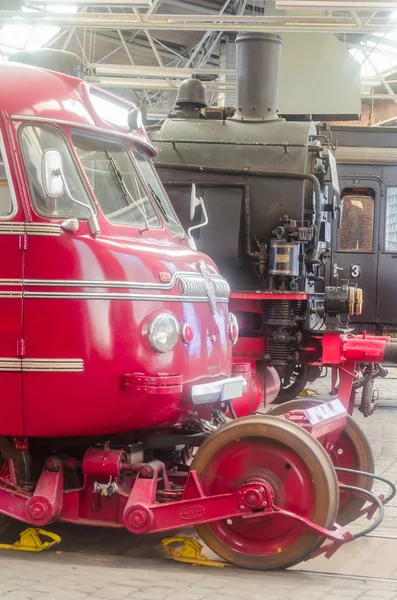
{"x": 270, "y": 190}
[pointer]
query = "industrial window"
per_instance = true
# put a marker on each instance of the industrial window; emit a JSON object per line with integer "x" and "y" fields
{"x": 356, "y": 232}
{"x": 35, "y": 140}
{"x": 115, "y": 181}
{"x": 391, "y": 219}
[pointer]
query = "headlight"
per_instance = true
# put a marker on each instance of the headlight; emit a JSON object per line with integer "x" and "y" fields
{"x": 233, "y": 328}
{"x": 163, "y": 333}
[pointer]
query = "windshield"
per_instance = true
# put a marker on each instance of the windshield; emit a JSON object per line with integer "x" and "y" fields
{"x": 158, "y": 192}
{"x": 115, "y": 181}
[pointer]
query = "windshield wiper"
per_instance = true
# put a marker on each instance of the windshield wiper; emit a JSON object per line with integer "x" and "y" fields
{"x": 159, "y": 204}
{"x": 168, "y": 218}
{"x": 124, "y": 188}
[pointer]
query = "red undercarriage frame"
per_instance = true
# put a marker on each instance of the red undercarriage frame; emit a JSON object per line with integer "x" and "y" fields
{"x": 145, "y": 499}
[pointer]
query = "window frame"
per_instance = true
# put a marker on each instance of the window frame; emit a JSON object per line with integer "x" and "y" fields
{"x": 339, "y": 228}
{"x": 10, "y": 182}
{"x": 105, "y": 136}
{"x": 81, "y": 175}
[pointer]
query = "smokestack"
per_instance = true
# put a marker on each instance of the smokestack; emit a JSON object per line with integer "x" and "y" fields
{"x": 258, "y": 63}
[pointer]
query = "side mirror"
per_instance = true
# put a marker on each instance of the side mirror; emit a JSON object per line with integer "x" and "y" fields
{"x": 55, "y": 185}
{"x": 135, "y": 120}
{"x": 194, "y": 202}
{"x": 51, "y": 171}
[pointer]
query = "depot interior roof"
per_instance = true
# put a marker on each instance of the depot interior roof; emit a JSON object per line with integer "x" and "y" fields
{"x": 162, "y": 41}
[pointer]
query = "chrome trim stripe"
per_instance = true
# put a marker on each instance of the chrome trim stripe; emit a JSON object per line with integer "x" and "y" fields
{"x": 12, "y": 228}
{"x": 11, "y": 364}
{"x": 115, "y": 296}
{"x": 16, "y": 228}
{"x": 42, "y": 365}
{"x": 43, "y": 229}
{"x": 10, "y": 294}
{"x": 192, "y": 284}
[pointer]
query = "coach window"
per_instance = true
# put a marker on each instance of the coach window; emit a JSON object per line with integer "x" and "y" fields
{"x": 391, "y": 219}
{"x": 356, "y": 232}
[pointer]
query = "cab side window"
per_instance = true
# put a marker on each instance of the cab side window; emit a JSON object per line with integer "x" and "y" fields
{"x": 35, "y": 140}
{"x": 6, "y": 204}
{"x": 391, "y": 219}
{"x": 356, "y": 232}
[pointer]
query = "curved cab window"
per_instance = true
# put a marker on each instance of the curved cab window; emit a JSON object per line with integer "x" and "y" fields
{"x": 35, "y": 140}
{"x": 357, "y": 224}
{"x": 6, "y": 206}
{"x": 115, "y": 181}
{"x": 158, "y": 193}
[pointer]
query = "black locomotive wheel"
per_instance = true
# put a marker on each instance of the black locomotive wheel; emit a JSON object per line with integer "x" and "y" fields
{"x": 351, "y": 451}
{"x": 293, "y": 382}
{"x": 296, "y": 467}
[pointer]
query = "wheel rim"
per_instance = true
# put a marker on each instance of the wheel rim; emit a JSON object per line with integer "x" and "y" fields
{"x": 301, "y": 476}
{"x": 351, "y": 451}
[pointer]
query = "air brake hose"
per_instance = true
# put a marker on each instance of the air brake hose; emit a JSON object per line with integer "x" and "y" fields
{"x": 260, "y": 173}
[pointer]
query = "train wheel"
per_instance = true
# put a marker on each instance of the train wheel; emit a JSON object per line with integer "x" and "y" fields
{"x": 352, "y": 451}
{"x": 296, "y": 467}
{"x": 293, "y": 382}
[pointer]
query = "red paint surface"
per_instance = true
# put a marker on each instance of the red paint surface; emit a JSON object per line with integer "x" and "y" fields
{"x": 109, "y": 336}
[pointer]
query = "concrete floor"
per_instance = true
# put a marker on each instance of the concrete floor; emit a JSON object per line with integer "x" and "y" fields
{"x": 95, "y": 564}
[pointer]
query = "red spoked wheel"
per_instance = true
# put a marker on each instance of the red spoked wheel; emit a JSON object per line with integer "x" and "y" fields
{"x": 297, "y": 469}
{"x": 351, "y": 451}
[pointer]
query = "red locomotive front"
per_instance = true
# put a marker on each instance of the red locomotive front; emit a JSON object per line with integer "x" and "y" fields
{"x": 114, "y": 323}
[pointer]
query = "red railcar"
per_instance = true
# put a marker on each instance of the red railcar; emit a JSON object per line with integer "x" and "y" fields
{"x": 116, "y": 352}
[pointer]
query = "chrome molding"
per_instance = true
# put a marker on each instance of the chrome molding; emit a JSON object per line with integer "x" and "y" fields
{"x": 192, "y": 287}
{"x": 51, "y": 229}
{"x": 42, "y": 365}
{"x": 12, "y": 228}
{"x": 11, "y": 295}
{"x": 116, "y": 296}
{"x": 45, "y": 229}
